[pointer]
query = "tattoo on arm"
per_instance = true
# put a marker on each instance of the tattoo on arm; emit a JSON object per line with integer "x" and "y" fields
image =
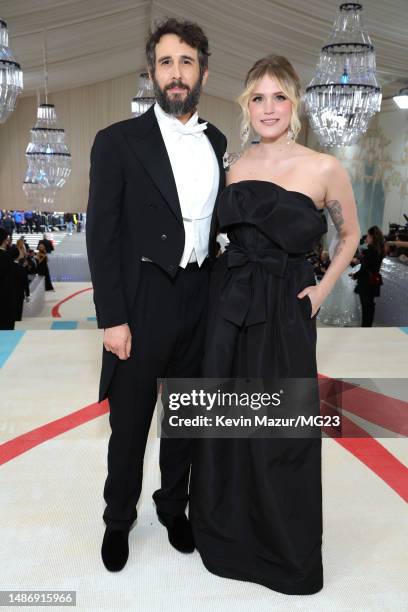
{"x": 336, "y": 213}
{"x": 339, "y": 248}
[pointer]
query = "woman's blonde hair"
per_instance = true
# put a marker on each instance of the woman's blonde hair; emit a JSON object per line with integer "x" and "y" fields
{"x": 281, "y": 69}
{"x": 21, "y": 246}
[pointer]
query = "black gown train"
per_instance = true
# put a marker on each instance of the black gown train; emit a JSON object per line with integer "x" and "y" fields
{"x": 256, "y": 504}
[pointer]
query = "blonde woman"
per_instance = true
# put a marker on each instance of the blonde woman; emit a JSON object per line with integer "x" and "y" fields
{"x": 255, "y": 503}
{"x": 20, "y": 243}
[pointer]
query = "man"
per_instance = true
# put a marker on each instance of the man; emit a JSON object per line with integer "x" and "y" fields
{"x": 37, "y": 222}
{"x": 28, "y": 215}
{"x": 69, "y": 221}
{"x": 7, "y": 284}
{"x": 9, "y": 225}
{"x": 154, "y": 182}
{"x": 18, "y": 220}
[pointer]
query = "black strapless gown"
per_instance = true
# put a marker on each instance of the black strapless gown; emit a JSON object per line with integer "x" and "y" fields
{"x": 256, "y": 504}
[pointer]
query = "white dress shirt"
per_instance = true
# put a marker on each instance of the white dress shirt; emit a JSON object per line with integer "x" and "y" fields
{"x": 196, "y": 173}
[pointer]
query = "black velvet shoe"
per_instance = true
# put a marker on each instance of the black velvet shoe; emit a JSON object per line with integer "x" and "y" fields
{"x": 179, "y": 532}
{"x": 115, "y": 549}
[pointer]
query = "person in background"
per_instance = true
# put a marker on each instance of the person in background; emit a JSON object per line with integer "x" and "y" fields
{"x": 368, "y": 277}
{"x": 49, "y": 247}
{"x": 28, "y": 215}
{"x": 18, "y": 220}
{"x": 31, "y": 263}
{"x": 37, "y": 221}
{"x": 22, "y": 246}
{"x": 320, "y": 261}
{"x": 8, "y": 224}
{"x": 42, "y": 267}
{"x": 7, "y": 284}
{"x": 69, "y": 220}
{"x": 79, "y": 223}
{"x": 391, "y": 250}
{"x": 22, "y": 288}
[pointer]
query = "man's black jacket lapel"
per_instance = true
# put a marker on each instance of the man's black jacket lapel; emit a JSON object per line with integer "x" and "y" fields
{"x": 148, "y": 144}
{"x": 214, "y": 139}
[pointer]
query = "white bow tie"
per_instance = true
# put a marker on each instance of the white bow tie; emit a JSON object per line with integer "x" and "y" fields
{"x": 196, "y": 130}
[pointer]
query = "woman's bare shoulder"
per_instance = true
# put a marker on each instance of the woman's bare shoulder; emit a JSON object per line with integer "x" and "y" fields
{"x": 323, "y": 163}
{"x": 316, "y": 156}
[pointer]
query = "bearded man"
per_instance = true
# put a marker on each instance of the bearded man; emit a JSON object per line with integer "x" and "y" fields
{"x": 151, "y": 227}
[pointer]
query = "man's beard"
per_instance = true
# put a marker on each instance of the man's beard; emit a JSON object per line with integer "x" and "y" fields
{"x": 177, "y": 106}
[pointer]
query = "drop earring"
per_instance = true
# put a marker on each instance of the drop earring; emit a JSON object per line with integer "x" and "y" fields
{"x": 290, "y": 135}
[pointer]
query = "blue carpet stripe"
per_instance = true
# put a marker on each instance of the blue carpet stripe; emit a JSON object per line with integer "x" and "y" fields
{"x": 64, "y": 325}
{"x": 8, "y": 342}
{"x": 404, "y": 329}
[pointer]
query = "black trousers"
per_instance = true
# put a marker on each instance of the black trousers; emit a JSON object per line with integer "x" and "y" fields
{"x": 167, "y": 326}
{"x": 367, "y": 310}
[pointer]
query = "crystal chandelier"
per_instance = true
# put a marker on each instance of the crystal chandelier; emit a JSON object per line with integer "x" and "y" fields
{"x": 48, "y": 156}
{"x": 144, "y": 98}
{"x": 11, "y": 76}
{"x": 344, "y": 93}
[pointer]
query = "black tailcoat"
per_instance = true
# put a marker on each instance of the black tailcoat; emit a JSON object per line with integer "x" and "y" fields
{"x": 134, "y": 210}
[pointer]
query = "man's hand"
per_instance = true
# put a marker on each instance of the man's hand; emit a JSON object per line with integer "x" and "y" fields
{"x": 118, "y": 340}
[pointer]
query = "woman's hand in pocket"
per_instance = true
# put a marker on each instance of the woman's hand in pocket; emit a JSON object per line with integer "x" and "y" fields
{"x": 315, "y": 296}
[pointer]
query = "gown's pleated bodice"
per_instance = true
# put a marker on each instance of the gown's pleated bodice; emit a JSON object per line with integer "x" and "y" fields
{"x": 257, "y": 279}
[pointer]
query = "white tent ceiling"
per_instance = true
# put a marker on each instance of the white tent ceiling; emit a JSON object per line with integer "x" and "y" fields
{"x": 93, "y": 40}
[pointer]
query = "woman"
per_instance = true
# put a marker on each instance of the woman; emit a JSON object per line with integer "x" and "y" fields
{"x": 21, "y": 249}
{"x": 42, "y": 266}
{"x": 255, "y": 504}
{"x": 368, "y": 277}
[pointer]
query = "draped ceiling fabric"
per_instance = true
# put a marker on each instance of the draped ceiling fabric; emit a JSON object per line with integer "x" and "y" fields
{"x": 96, "y": 49}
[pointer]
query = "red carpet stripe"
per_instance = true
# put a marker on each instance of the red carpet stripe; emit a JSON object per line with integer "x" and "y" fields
{"x": 366, "y": 449}
{"x": 17, "y": 446}
{"x": 55, "y": 311}
{"x": 377, "y": 458}
{"x": 383, "y": 410}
